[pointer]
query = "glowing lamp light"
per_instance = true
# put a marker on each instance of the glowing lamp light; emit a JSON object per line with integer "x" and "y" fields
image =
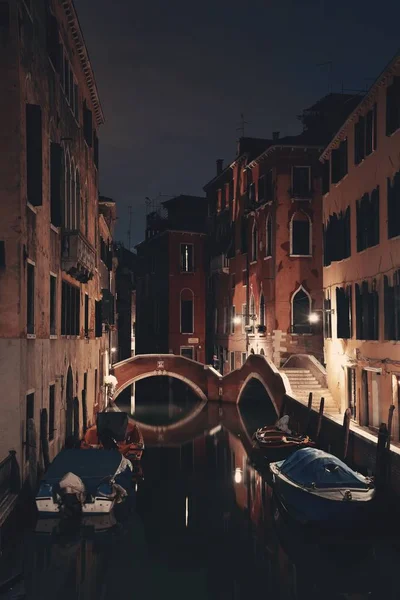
{"x": 113, "y": 349}
{"x": 313, "y": 318}
{"x": 238, "y": 477}
{"x": 237, "y": 320}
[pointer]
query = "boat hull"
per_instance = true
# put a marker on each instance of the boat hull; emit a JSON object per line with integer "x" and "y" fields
{"x": 321, "y": 507}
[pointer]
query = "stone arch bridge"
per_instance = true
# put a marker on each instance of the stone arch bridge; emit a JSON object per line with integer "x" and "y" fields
{"x": 205, "y": 381}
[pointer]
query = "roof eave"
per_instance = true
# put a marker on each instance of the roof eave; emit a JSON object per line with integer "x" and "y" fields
{"x": 78, "y": 38}
{"x": 272, "y": 149}
{"x": 365, "y": 101}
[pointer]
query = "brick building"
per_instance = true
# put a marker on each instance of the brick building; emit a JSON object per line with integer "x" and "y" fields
{"x": 52, "y": 346}
{"x": 266, "y": 243}
{"x": 361, "y": 215}
{"x": 171, "y": 286}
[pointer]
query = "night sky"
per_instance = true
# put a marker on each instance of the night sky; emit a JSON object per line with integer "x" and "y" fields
{"x": 174, "y": 76}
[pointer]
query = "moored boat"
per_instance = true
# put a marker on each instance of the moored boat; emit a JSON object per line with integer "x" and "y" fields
{"x": 79, "y": 482}
{"x": 315, "y": 487}
{"x": 277, "y": 442}
{"x": 115, "y": 430}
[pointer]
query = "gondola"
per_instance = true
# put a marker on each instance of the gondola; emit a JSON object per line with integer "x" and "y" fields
{"x": 116, "y": 430}
{"x": 317, "y": 488}
{"x": 277, "y": 442}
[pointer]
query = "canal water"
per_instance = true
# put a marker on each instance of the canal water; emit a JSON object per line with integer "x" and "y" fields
{"x": 203, "y": 526}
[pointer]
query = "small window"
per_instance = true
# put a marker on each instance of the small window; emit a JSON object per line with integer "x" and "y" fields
{"x": 244, "y": 357}
{"x": 187, "y": 309}
{"x": 300, "y": 235}
{"x": 53, "y": 305}
{"x": 339, "y": 162}
{"x": 52, "y": 394}
{"x": 343, "y": 311}
{"x": 70, "y": 309}
{"x": 301, "y": 182}
{"x": 233, "y": 281}
{"x": 86, "y": 315}
{"x": 233, "y": 318}
{"x": 98, "y": 318}
{"x": 187, "y": 265}
{"x": 187, "y": 352}
{"x": 30, "y": 299}
{"x": 393, "y": 206}
{"x": 268, "y": 236}
{"x": 262, "y": 311}
{"x": 245, "y": 317}
{"x": 232, "y": 359}
{"x": 34, "y": 161}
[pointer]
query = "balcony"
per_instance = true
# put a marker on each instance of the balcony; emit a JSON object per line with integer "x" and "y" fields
{"x": 78, "y": 257}
{"x": 301, "y": 194}
{"x": 220, "y": 264}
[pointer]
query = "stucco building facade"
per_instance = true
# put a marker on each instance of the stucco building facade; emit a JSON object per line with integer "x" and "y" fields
{"x": 361, "y": 214}
{"x": 52, "y": 345}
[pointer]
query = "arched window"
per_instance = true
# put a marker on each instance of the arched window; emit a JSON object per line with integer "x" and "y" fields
{"x": 187, "y": 311}
{"x": 301, "y": 308}
{"x": 252, "y": 310}
{"x": 262, "y": 311}
{"x": 254, "y": 242}
{"x": 268, "y": 236}
{"x": 300, "y": 234}
{"x": 262, "y": 352}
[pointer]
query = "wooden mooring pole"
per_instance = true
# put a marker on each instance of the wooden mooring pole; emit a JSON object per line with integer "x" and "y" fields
{"x": 346, "y": 432}
{"x": 381, "y": 457}
{"x": 320, "y": 415}
{"x": 309, "y": 409}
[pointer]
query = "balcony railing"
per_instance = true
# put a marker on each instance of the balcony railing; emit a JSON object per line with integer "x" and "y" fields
{"x": 220, "y": 264}
{"x": 78, "y": 257}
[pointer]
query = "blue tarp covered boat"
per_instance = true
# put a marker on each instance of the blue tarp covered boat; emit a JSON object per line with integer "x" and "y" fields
{"x": 87, "y": 481}
{"x": 316, "y": 487}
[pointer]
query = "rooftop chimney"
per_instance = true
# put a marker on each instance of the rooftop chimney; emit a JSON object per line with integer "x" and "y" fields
{"x": 220, "y": 162}
{"x": 275, "y": 135}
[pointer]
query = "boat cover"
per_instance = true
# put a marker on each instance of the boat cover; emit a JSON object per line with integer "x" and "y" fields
{"x": 92, "y": 466}
{"x": 310, "y": 466}
{"x": 112, "y": 423}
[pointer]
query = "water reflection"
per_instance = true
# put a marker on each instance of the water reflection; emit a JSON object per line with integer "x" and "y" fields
{"x": 204, "y": 526}
{"x": 161, "y": 401}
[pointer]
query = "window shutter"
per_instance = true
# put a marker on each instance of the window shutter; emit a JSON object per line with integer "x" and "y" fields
{"x": 388, "y": 299}
{"x": 34, "y": 161}
{"x": 55, "y": 184}
{"x": 98, "y": 319}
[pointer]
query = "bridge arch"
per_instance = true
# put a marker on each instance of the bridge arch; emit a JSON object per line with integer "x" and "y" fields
{"x": 259, "y": 378}
{"x": 197, "y": 390}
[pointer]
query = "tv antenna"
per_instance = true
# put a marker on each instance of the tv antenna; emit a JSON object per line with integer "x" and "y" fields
{"x": 241, "y": 125}
{"x": 328, "y": 64}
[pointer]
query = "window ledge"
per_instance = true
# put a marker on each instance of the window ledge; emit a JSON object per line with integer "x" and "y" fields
{"x": 53, "y": 337}
{"x": 253, "y": 262}
{"x": 395, "y": 237}
{"x": 340, "y": 181}
{"x": 267, "y": 257}
{"x": 307, "y": 334}
{"x": 300, "y": 255}
{"x": 31, "y": 336}
{"x": 31, "y": 207}
{"x": 187, "y": 272}
{"x": 393, "y": 133}
{"x": 54, "y": 228}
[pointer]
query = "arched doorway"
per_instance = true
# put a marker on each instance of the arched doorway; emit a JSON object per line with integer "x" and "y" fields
{"x": 69, "y": 402}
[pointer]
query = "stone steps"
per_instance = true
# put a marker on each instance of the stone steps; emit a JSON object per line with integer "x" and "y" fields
{"x": 303, "y": 382}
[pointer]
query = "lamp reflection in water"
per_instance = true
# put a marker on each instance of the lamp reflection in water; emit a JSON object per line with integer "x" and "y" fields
{"x": 238, "y": 476}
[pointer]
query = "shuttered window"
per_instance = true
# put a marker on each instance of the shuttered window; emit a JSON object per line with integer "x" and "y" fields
{"x": 337, "y": 237}
{"x": 343, "y": 308}
{"x": 393, "y": 106}
{"x": 367, "y": 311}
{"x": 55, "y": 184}
{"x": 368, "y": 220}
{"x": 34, "y": 160}
{"x": 98, "y": 319}
{"x": 392, "y": 307}
{"x": 339, "y": 162}
{"x": 70, "y": 309}
{"x": 393, "y": 206}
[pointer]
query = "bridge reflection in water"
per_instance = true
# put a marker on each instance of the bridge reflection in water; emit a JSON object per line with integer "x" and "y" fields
{"x": 203, "y": 527}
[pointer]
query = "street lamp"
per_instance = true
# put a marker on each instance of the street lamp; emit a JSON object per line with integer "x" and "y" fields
{"x": 313, "y": 317}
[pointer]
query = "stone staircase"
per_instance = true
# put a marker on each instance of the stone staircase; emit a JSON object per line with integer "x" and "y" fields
{"x": 303, "y": 382}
